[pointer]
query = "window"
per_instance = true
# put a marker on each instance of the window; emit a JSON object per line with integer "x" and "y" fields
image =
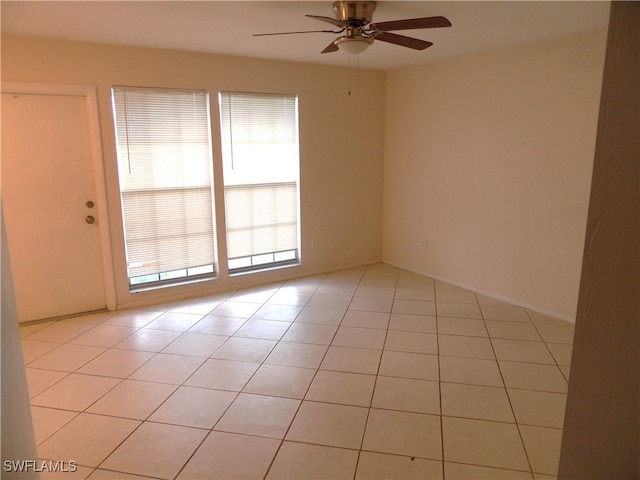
{"x": 163, "y": 140}
{"x": 260, "y": 158}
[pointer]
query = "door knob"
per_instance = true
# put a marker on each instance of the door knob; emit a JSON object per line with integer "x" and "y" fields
{"x": 90, "y": 219}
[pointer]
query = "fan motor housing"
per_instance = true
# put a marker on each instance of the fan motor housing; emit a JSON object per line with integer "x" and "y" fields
{"x": 356, "y": 14}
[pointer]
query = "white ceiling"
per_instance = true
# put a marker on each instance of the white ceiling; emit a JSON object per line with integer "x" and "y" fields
{"x": 226, "y": 27}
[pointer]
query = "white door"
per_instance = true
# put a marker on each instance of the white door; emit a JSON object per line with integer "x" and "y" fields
{"x": 47, "y": 190}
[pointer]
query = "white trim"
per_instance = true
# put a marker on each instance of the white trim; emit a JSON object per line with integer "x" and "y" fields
{"x": 97, "y": 165}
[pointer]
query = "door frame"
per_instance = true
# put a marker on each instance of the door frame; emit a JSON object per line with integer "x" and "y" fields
{"x": 90, "y": 95}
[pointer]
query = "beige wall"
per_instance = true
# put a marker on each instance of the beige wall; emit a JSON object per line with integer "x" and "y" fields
{"x": 488, "y": 157}
{"x": 341, "y": 169}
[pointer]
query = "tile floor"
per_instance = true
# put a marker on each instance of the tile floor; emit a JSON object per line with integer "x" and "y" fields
{"x": 370, "y": 372}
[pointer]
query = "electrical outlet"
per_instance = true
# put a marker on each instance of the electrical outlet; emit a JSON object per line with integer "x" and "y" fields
{"x": 314, "y": 242}
{"x": 423, "y": 243}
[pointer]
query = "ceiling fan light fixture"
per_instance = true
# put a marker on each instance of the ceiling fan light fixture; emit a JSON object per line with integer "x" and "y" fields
{"x": 353, "y": 45}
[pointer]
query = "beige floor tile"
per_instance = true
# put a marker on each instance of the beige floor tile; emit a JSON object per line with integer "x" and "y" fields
{"x": 334, "y": 288}
{"x": 414, "y": 307}
{"x": 354, "y": 360}
{"x": 413, "y": 323}
{"x": 561, "y": 353}
{"x": 199, "y": 306}
{"x": 407, "y": 395}
{"x": 348, "y": 275}
{"x": 47, "y": 421}
{"x": 33, "y": 349}
{"x": 99, "y": 474}
{"x": 264, "y": 329}
{"x": 373, "y": 291}
{"x": 148, "y": 340}
{"x": 322, "y": 316}
{"x": 422, "y": 294}
{"x": 512, "y": 330}
{"x": 541, "y": 318}
{"x": 456, "y": 296}
{"x": 259, "y": 415}
{"x": 292, "y": 354}
{"x": 329, "y": 424}
{"x": 175, "y": 321}
{"x": 475, "y": 401}
{"x": 458, "y": 310}
{"x": 409, "y": 365}
{"x": 310, "y": 333}
{"x": 415, "y": 281}
{"x": 223, "y": 375}
{"x": 471, "y": 327}
{"x": 485, "y": 443}
{"x": 226, "y": 455}
{"x": 378, "y": 280}
{"x": 359, "y": 337}
{"x": 61, "y": 331}
{"x": 39, "y": 380}
{"x": 31, "y": 328}
{"x": 282, "y": 313}
{"x": 330, "y": 301}
{"x": 104, "y": 335}
{"x": 168, "y": 368}
{"x": 280, "y": 381}
{"x": 256, "y": 295}
{"x": 403, "y": 433}
{"x": 369, "y": 304}
{"x": 543, "y": 448}
{"x": 543, "y": 409}
{"x": 462, "y": 346}
{"x": 521, "y": 351}
{"x": 413, "y": 342}
{"x": 508, "y": 313}
{"x": 556, "y": 333}
{"x": 290, "y": 297}
{"x": 133, "y": 318}
{"x": 381, "y": 466}
{"x": 194, "y": 407}
{"x": 195, "y": 344}
{"x": 75, "y": 392}
{"x": 485, "y": 300}
{"x": 216, "y": 325}
{"x": 67, "y": 357}
{"x": 87, "y": 439}
{"x": 235, "y": 309}
{"x": 116, "y": 363}
{"x": 470, "y": 371}
{"x": 297, "y": 461}
{"x": 132, "y": 399}
{"x": 531, "y": 376}
{"x": 156, "y": 450}
{"x": 460, "y": 471}
{"x": 341, "y": 387}
{"x": 382, "y": 269}
{"x": 362, "y": 319}
{"x": 245, "y": 349}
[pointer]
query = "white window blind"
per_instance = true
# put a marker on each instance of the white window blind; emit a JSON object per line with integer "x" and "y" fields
{"x": 165, "y": 169}
{"x": 260, "y": 155}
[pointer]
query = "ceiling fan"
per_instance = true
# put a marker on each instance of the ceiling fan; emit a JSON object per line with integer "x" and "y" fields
{"x": 353, "y": 18}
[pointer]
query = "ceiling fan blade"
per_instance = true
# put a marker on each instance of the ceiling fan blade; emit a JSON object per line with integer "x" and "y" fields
{"x": 330, "y": 20}
{"x": 412, "y": 23}
{"x": 293, "y": 33}
{"x": 403, "y": 41}
{"x": 332, "y": 47}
